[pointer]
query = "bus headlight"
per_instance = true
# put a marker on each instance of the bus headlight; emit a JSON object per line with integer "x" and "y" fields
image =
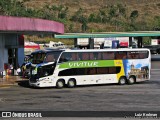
{"x": 46, "y": 74}
{"x": 34, "y": 72}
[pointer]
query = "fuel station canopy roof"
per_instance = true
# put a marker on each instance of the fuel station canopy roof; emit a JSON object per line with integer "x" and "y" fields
{"x": 110, "y": 34}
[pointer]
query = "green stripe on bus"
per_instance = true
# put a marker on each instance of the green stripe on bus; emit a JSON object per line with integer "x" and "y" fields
{"x": 85, "y": 64}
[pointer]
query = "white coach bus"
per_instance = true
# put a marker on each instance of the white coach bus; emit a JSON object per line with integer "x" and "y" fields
{"x": 87, "y": 67}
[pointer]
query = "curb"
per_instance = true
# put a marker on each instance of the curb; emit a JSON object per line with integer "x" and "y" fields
{"x": 10, "y": 84}
{"x": 7, "y": 85}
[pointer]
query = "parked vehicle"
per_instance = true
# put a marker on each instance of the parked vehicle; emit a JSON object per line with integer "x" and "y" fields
{"x": 25, "y": 68}
{"x": 155, "y": 49}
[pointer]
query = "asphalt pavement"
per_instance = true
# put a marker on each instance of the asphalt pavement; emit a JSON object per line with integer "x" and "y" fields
{"x": 142, "y": 96}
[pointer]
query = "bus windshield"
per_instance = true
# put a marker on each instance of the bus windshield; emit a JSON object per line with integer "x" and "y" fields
{"x": 38, "y": 58}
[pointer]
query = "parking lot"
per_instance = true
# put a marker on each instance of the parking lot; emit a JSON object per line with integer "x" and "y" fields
{"x": 142, "y": 96}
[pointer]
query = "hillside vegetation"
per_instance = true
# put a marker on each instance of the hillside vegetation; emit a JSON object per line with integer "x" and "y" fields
{"x": 88, "y": 15}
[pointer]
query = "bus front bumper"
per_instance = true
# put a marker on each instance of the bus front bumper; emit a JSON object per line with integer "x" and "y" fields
{"x": 34, "y": 84}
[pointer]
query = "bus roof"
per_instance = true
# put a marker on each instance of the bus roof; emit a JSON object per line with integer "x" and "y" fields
{"x": 103, "y": 50}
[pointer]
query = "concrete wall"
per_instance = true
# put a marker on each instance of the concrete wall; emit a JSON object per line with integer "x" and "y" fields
{"x": 1, "y": 52}
{"x": 5, "y": 55}
{"x": 9, "y": 41}
{"x": 20, "y": 56}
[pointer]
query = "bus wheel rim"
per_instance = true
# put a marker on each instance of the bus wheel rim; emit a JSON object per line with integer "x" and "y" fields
{"x": 122, "y": 81}
{"x": 60, "y": 84}
{"x": 71, "y": 83}
{"x": 131, "y": 80}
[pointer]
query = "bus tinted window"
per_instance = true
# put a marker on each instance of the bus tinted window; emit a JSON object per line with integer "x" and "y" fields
{"x": 65, "y": 57}
{"x": 137, "y": 54}
{"x": 97, "y": 55}
{"x": 38, "y": 58}
{"x": 91, "y": 56}
{"x": 108, "y": 70}
{"x": 89, "y": 71}
{"x": 45, "y": 70}
{"x": 143, "y": 55}
{"x": 132, "y": 55}
{"x": 102, "y": 70}
{"x": 112, "y": 70}
{"x": 117, "y": 55}
{"x": 120, "y": 55}
{"x": 108, "y": 56}
{"x": 84, "y": 56}
{"x": 74, "y": 56}
{"x": 50, "y": 58}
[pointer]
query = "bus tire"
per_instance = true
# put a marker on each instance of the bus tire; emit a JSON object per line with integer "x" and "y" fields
{"x": 131, "y": 80}
{"x": 71, "y": 83}
{"x": 122, "y": 81}
{"x": 60, "y": 84}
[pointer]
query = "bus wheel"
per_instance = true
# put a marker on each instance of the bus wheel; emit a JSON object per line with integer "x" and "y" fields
{"x": 131, "y": 80}
{"x": 71, "y": 83}
{"x": 60, "y": 84}
{"x": 122, "y": 81}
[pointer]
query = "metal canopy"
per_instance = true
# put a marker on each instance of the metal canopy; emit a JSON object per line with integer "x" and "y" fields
{"x": 110, "y": 34}
{"x": 24, "y": 25}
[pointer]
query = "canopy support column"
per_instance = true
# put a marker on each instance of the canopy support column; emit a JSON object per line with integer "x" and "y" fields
{"x": 130, "y": 42}
{"x": 140, "y": 42}
{"x": 91, "y": 43}
{"x": 75, "y": 42}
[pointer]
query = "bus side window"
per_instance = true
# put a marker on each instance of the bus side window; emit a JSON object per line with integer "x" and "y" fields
{"x": 132, "y": 55}
{"x": 143, "y": 55}
{"x": 105, "y": 57}
{"x": 62, "y": 58}
{"x": 120, "y": 55}
{"x": 91, "y": 71}
{"x": 65, "y": 57}
{"x": 85, "y": 56}
{"x": 111, "y": 55}
{"x": 91, "y": 56}
{"x": 50, "y": 58}
{"x": 129, "y": 55}
{"x": 112, "y": 70}
{"x": 74, "y": 56}
{"x": 56, "y": 56}
{"x": 102, "y": 70}
{"x": 108, "y": 56}
{"x": 95, "y": 56}
{"x": 99, "y": 56}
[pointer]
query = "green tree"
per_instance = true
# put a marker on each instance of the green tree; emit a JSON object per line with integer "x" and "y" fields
{"x": 71, "y": 27}
{"x": 84, "y": 26}
{"x": 156, "y": 23}
{"x": 62, "y": 11}
{"x": 77, "y": 15}
{"x": 134, "y": 14}
{"x": 121, "y": 10}
{"x": 112, "y": 11}
{"x": 92, "y": 17}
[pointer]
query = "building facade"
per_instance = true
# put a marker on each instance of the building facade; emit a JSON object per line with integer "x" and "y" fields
{"x": 12, "y": 41}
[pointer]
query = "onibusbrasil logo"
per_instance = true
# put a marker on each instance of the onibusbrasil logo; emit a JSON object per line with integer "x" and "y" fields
{"x": 21, "y": 114}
